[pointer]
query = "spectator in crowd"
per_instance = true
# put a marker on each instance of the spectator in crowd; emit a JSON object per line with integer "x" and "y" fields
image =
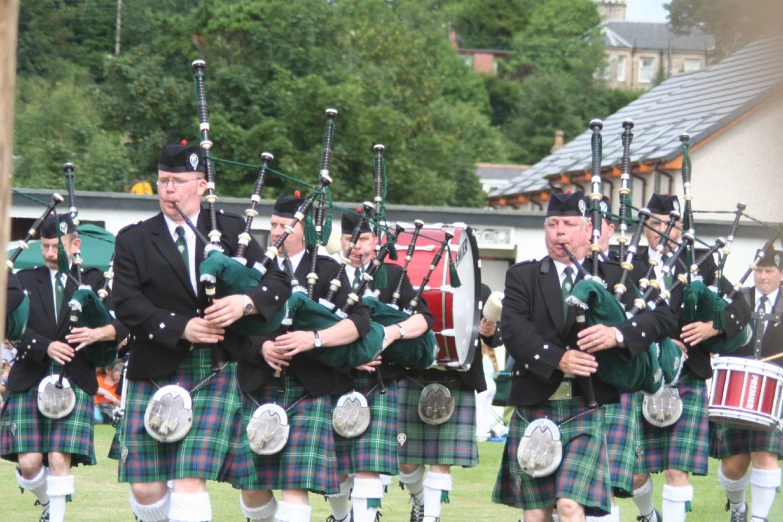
{"x": 107, "y": 398}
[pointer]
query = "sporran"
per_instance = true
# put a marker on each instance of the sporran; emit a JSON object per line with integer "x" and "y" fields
{"x": 268, "y": 429}
{"x": 541, "y": 449}
{"x": 351, "y": 416}
{"x": 436, "y": 404}
{"x": 169, "y": 414}
{"x": 55, "y": 402}
{"x": 663, "y": 408}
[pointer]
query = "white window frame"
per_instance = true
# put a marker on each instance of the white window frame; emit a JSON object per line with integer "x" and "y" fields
{"x": 621, "y": 67}
{"x": 692, "y": 61}
{"x": 643, "y": 70}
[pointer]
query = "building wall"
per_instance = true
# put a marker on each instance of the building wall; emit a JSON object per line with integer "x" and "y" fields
{"x": 633, "y": 61}
{"x": 740, "y": 164}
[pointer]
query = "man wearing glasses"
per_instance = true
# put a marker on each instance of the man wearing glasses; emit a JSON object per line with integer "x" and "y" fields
{"x": 173, "y": 330}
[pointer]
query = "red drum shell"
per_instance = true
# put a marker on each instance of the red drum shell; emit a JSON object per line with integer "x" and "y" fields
{"x": 746, "y": 393}
{"x": 456, "y": 311}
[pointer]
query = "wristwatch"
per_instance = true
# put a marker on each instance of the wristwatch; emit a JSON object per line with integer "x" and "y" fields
{"x": 402, "y": 330}
{"x": 618, "y": 336}
{"x": 248, "y": 305}
{"x": 318, "y": 341}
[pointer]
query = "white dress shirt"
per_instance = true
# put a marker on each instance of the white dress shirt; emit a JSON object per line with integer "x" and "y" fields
{"x": 190, "y": 239}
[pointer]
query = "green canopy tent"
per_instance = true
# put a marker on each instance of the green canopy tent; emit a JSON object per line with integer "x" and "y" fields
{"x": 97, "y": 248}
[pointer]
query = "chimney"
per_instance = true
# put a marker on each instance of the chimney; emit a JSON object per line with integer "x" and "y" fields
{"x": 611, "y": 10}
{"x": 559, "y": 135}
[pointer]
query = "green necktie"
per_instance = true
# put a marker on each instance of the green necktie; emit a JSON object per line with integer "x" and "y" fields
{"x": 568, "y": 285}
{"x": 668, "y": 279}
{"x": 182, "y": 246}
{"x": 59, "y": 290}
{"x": 357, "y": 278}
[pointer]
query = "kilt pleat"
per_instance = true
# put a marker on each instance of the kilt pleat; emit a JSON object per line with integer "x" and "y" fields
{"x": 451, "y": 443}
{"x": 376, "y": 449}
{"x": 25, "y": 430}
{"x": 685, "y": 444}
{"x": 204, "y": 450}
{"x": 308, "y": 459}
{"x": 583, "y": 475}
{"x": 727, "y": 441}
{"x": 620, "y": 429}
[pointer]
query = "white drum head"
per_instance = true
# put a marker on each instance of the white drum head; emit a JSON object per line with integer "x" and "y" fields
{"x": 53, "y": 402}
{"x": 541, "y": 450}
{"x": 351, "y": 417}
{"x": 466, "y": 298}
{"x": 169, "y": 414}
{"x": 268, "y": 429}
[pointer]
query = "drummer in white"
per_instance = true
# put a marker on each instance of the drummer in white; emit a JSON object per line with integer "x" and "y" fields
{"x": 738, "y": 448}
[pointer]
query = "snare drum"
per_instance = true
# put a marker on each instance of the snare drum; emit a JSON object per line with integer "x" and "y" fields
{"x": 746, "y": 393}
{"x": 456, "y": 310}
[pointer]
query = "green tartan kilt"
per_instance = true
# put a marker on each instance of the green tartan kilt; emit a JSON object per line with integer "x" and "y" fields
{"x": 375, "y": 449}
{"x": 727, "y": 441}
{"x": 583, "y": 475}
{"x": 451, "y": 443}
{"x": 682, "y": 446}
{"x": 204, "y": 452}
{"x": 307, "y": 461}
{"x": 26, "y": 430}
{"x": 620, "y": 429}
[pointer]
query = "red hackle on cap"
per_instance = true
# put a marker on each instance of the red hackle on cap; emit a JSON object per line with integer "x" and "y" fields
{"x": 183, "y": 142}
{"x": 297, "y": 194}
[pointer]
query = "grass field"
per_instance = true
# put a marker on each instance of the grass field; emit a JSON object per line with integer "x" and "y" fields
{"x": 100, "y": 498}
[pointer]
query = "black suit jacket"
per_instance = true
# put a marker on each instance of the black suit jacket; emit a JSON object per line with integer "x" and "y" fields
{"x": 736, "y": 315}
{"x": 14, "y": 293}
{"x": 537, "y": 336}
{"x": 772, "y": 342}
{"x": 318, "y": 379}
{"x": 32, "y": 362}
{"x": 153, "y": 295}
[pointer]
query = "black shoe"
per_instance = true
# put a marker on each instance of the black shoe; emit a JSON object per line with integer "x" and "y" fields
{"x": 417, "y": 510}
{"x": 648, "y": 518}
{"x": 348, "y": 517}
{"x": 737, "y": 516}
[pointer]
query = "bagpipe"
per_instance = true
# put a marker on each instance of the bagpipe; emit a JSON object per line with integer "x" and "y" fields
{"x": 56, "y": 398}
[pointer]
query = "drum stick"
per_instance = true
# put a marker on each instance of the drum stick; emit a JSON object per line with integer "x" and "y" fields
{"x": 772, "y": 357}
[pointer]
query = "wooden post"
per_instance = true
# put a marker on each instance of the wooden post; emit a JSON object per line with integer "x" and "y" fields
{"x": 9, "y": 22}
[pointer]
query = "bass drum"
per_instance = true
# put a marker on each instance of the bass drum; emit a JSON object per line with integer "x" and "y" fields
{"x": 456, "y": 310}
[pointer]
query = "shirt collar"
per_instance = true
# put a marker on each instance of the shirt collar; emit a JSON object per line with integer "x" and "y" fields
{"x": 772, "y": 298}
{"x": 295, "y": 260}
{"x": 562, "y": 266}
{"x": 172, "y": 226}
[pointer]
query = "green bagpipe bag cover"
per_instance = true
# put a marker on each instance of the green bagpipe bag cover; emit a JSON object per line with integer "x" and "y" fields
{"x": 703, "y": 304}
{"x": 94, "y": 314}
{"x": 16, "y": 320}
{"x": 232, "y": 277}
{"x": 308, "y": 315}
{"x": 644, "y": 371}
{"x": 418, "y": 353}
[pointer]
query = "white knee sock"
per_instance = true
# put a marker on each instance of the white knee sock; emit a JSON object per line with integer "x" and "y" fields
{"x": 763, "y": 487}
{"x": 735, "y": 490}
{"x": 367, "y": 494}
{"x": 340, "y": 502}
{"x": 415, "y": 484}
{"x": 36, "y": 485}
{"x": 157, "y": 512}
{"x": 58, "y": 488}
{"x": 643, "y": 498}
{"x": 435, "y": 484}
{"x": 293, "y": 512}
{"x": 190, "y": 507}
{"x": 614, "y": 516}
{"x": 676, "y": 502}
{"x": 265, "y": 513}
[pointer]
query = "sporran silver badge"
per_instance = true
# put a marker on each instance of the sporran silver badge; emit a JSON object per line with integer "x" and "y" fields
{"x": 351, "y": 416}
{"x": 541, "y": 448}
{"x": 436, "y": 404}
{"x": 169, "y": 414}
{"x": 268, "y": 429}
{"x": 663, "y": 408}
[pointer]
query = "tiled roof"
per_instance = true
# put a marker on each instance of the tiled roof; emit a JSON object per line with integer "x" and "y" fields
{"x": 650, "y": 35}
{"x": 499, "y": 171}
{"x": 699, "y": 103}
